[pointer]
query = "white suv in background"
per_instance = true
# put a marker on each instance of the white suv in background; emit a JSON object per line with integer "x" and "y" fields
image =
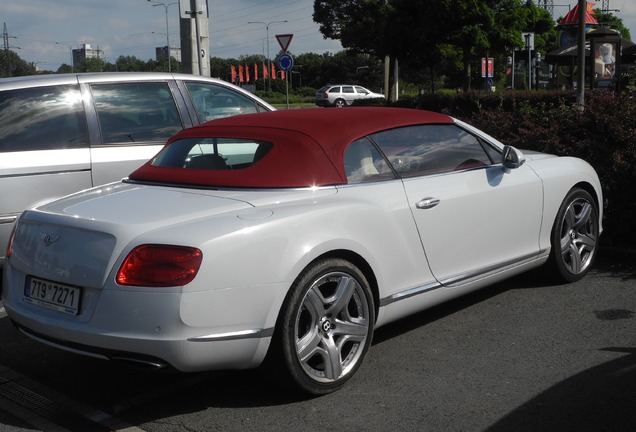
{"x": 60, "y": 134}
{"x": 341, "y": 95}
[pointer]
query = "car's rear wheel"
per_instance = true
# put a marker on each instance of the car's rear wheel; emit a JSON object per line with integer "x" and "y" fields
{"x": 340, "y": 103}
{"x": 575, "y": 236}
{"x": 325, "y": 327}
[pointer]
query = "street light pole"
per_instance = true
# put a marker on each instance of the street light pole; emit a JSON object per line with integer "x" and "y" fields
{"x": 166, "y": 6}
{"x": 269, "y": 63}
{"x": 70, "y": 48}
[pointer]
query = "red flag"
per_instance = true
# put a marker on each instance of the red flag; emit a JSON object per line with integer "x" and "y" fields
{"x": 273, "y": 71}
{"x": 255, "y": 72}
{"x": 265, "y": 74}
{"x": 282, "y": 74}
{"x": 247, "y": 74}
{"x": 233, "y": 74}
{"x": 240, "y": 73}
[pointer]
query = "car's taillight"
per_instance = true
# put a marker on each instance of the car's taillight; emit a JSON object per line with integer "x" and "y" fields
{"x": 160, "y": 266}
{"x": 10, "y": 245}
{"x": 325, "y": 95}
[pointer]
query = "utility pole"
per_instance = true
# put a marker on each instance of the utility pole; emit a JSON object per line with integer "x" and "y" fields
{"x": 547, "y": 5}
{"x": 5, "y": 37}
{"x": 195, "y": 39}
{"x": 580, "y": 73}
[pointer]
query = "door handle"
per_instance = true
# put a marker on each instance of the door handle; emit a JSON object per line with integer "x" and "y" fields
{"x": 427, "y": 203}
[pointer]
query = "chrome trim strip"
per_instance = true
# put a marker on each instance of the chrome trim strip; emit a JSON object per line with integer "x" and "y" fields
{"x": 35, "y": 174}
{"x": 488, "y": 271}
{"x": 409, "y": 293}
{"x": 465, "y": 277}
{"x": 241, "y": 334}
{"x": 7, "y": 219}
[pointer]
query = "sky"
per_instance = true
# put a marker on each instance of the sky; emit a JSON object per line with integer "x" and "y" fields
{"x": 44, "y": 31}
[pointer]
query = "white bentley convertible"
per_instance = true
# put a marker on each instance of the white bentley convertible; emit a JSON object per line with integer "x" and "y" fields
{"x": 284, "y": 239}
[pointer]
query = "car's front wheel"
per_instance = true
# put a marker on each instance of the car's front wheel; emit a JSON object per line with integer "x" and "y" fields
{"x": 325, "y": 327}
{"x": 575, "y": 236}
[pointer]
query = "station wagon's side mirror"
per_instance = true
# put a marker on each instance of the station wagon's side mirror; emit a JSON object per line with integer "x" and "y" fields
{"x": 512, "y": 158}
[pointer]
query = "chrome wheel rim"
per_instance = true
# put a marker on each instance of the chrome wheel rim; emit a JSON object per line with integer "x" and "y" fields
{"x": 332, "y": 327}
{"x": 579, "y": 234}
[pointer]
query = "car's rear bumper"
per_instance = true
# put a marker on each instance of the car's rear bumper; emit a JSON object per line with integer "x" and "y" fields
{"x": 146, "y": 328}
{"x": 183, "y": 355}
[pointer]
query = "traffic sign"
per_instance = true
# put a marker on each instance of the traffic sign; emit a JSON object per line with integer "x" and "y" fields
{"x": 284, "y": 40}
{"x": 285, "y": 62}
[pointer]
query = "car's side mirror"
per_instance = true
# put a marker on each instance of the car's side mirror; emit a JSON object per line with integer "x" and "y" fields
{"x": 511, "y": 158}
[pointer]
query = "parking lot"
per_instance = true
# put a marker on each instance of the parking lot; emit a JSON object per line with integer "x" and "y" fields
{"x": 522, "y": 355}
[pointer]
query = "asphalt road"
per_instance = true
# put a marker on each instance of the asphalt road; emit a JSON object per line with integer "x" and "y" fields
{"x": 523, "y": 355}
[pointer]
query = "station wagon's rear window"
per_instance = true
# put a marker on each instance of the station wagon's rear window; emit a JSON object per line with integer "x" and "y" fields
{"x": 136, "y": 112}
{"x": 212, "y": 101}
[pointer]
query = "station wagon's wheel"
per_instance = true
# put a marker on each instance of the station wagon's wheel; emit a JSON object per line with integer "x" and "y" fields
{"x": 326, "y": 326}
{"x": 575, "y": 236}
{"x": 340, "y": 103}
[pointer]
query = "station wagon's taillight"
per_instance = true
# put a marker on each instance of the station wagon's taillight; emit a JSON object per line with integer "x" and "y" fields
{"x": 10, "y": 245}
{"x": 160, "y": 266}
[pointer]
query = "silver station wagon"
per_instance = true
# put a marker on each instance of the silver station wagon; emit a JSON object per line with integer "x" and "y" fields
{"x": 63, "y": 133}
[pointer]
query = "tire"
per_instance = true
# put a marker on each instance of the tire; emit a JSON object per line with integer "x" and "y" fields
{"x": 575, "y": 237}
{"x": 340, "y": 103}
{"x": 324, "y": 329}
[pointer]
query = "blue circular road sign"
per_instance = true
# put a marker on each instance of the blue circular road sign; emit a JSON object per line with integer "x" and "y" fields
{"x": 286, "y": 62}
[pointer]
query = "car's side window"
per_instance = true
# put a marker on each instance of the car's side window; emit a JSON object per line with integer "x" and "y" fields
{"x": 431, "y": 149}
{"x": 136, "y": 112}
{"x": 361, "y": 90}
{"x": 213, "y": 101}
{"x": 347, "y": 89}
{"x": 42, "y": 118}
{"x": 363, "y": 163}
{"x": 334, "y": 90}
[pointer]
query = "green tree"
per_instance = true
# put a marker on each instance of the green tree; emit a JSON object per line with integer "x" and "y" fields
{"x": 64, "y": 68}
{"x": 359, "y": 25}
{"x": 93, "y": 64}
{"x": 611, "y": 21}
{"x": 345, "y": 67}
{"x": 221, "y": 68}
{"x": 444, "y": 36}
{"x": 12, "y": 65}
{"x": 130, "y": 64}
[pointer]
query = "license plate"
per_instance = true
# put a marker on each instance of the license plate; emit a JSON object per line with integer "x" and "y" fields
{"x": 52, "y": 295}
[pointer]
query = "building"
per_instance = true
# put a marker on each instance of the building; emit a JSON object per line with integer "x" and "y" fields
{"x": 86, "y": 52}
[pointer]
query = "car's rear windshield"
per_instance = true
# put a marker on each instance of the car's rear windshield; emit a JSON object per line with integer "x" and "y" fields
{"x": 212, "y": 153}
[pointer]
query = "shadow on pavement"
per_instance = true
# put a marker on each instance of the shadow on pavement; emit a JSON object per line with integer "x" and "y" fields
{"x": 602, "y": 398}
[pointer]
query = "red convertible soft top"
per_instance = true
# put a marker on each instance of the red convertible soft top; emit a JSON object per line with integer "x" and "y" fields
{"x": 308, "y": 145}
